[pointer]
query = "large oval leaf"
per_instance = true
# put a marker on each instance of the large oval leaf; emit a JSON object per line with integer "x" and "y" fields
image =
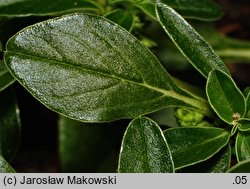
{"x": 225, "y": 97}
{"x": 84, "y": 147}
{"x": 6, "y": 79}
{"x": 190, "y": 43}
{"x": 5, "y": 167}
{"x": 242, "y": 146}
{"x": 9, "y": 125}
{"x": 44, "y": 7}
{"x": 219, "y": 163}
{"x": 91, "y": 69}
{"x": 144, "y": 149}
{"x": 242, "y": 167}
{"x": 201, "y": 9}
{"x": 191, "y": 145}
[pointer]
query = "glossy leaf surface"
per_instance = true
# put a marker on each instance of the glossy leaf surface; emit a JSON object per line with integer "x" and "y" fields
{"x": 230, "y": 50}
{"x": 219, "y": 163}
{"x": 6, "y": 79}
{"x": 44, "y": 7}
{"x": 242, "y": 167}
{"x": 91, "y": 69}
{"x": 9, "y": 125}
{"x": 201, "y": 9}
{"x": 225, "y": 97}
{"x": 189, "y": 42}
{"x": 144, "y": 149}
{"x": 242, "y": 146}
{"x": 5, "y": 167}
{"x": 191, "y": 145}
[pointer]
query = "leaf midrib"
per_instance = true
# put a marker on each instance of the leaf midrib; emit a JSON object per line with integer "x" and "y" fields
{"x": 201, "y": 160}
{"x": 145, "y": 146}
{"x": 197, "y": 103}
{"x": 207, "y": 141}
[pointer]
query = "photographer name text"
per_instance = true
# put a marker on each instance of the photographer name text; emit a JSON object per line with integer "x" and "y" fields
{"x": 69, "y": 180}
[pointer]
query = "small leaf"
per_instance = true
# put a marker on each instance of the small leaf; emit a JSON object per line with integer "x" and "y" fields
{"x": 6, "y": 79}
{"x": 144, "y": 149}
{"x": 242, "y": 167}
{"x": 122, "y": 17}
{"x": 190, "y": 43}
{"x": 225, "y": 97}
{"x": 242, "y": 146}
{"x": 247, "y": 97}
{"x": 5, "y": 167}
{"x": 201, "y": 9}
{"x": 219, "y": 163}
{"x": 244, "y": 124}
{"x": 191, "y": 145}
{"x": 83, "y": 147}
{"x": 9, "y": 125}
{"x": 45, "y": 7}
{"x": 230, "y": 49}
{"x": 90, "y": 69}
{"x": 246, "y": 93}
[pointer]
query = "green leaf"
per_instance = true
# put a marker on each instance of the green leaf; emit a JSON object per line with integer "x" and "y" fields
{"x": 202, "y": 9}
{"x": 5, "y": 167}
{"x": 148, "y": 8}
{"x": 191, "y": 145}
{"x": 190, "y": 43}
{"x": 191, "y": 89}
{"x": 83, "y": 147}
{"x": 164, "y": 117}
{"x": 242, "y": 167}
{"x": 44, "y": 7}
{"x": 230, "y": 49}
{"x": 244, "y": 124}
{"x": 247, "y": 97}
{"x": 144, "y": 149}
{"x": 9, "y": 125}
{"x": 246, "y": 93}
{"x": 242, "y": 146}
{"x": 122, "y": 17}
{"x": 6, "y": 79}
{"x": 91, "y": 69}
{"x": 225, "y": 97}
{"x": 219, "y": 163}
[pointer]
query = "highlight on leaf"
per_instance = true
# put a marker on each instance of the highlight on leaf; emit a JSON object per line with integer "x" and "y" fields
{"x": 77, "y": 66}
